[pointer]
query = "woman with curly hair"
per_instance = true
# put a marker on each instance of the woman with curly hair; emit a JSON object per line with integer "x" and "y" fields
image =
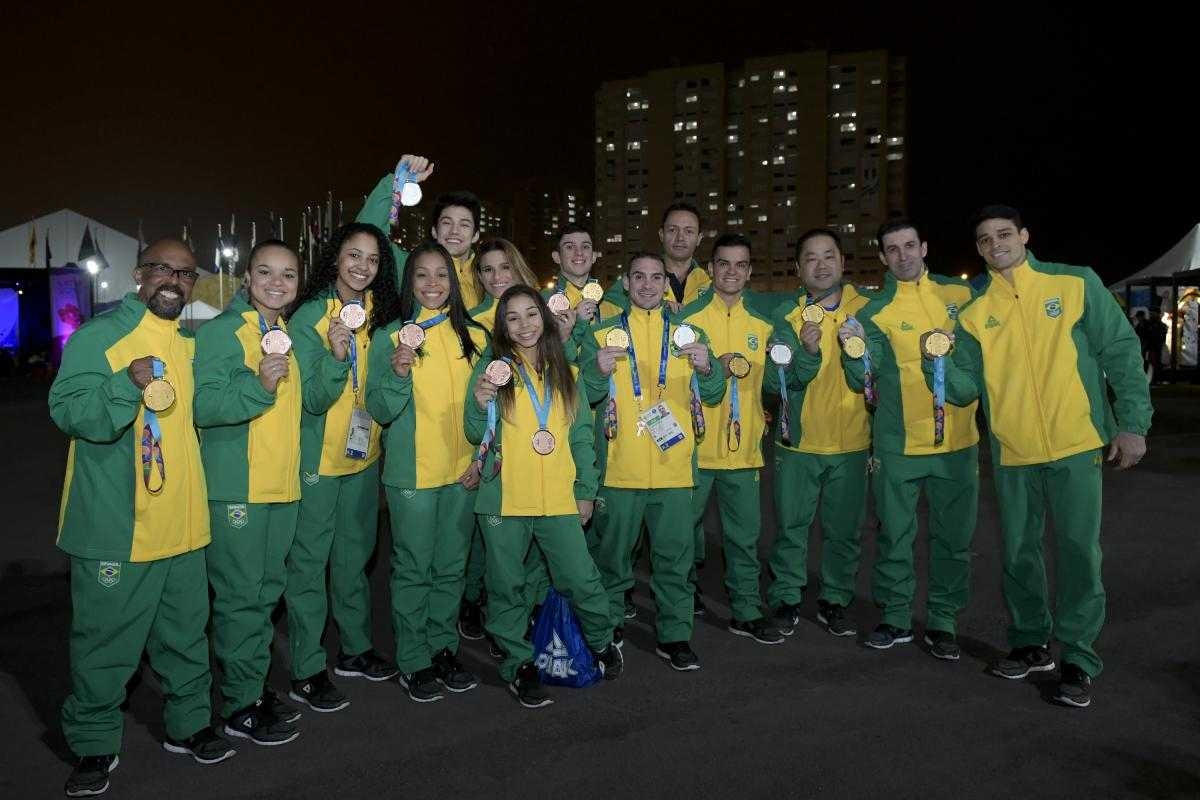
{"x": 351, "y": 295}
{"x": 421, "y": 361}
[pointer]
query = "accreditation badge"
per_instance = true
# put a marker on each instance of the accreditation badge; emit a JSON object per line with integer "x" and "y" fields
{"x": 662, "y": 425}
{"x": 358, "y": 437}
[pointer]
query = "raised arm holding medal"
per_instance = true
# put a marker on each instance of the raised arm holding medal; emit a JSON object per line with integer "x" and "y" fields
{"x": 641, "y": 380}
{"x": 421, "y": 363}
{"x": 124, "y": 394}
{"x": 532, "y": 421}
{"x": 251, "y": 453}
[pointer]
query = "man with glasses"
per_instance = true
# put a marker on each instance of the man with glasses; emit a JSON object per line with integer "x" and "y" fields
{"x": 138, "y": 577}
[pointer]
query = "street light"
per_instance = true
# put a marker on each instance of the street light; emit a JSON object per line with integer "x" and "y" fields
{"x": 93, "y": 266}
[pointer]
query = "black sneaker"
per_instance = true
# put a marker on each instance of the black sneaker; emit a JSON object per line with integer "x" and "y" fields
{"x": 680, "y": 654}
{"x": 318, "y": 693}
{"x": 786, "y": 618}
{"x": 90, "y": 776}
{"x": 1023, "y": 660}
{"x": 611, "y": 662}
{"x": 260, "y": 726}
{"x": 274, "y": 705}
{"x": 943, "y": 645}
{"x": 369, "y": 665}
{"x": 470, "y": 620}
{"x": 1074, "y": 687}
{"x": 422, "y": 686}
{"x": 757, "y": 630}
{"x": 527, "y": 688}
{"x": 834, "y": 618}
{"x": 698, "y": 607}
{"x": 205, "y": 746}
{"x": 630, "y": 608}
{"x": 451, "y": 673}
{"x": 618, "y": 638}
{"x": 495, "y": 650}
{"x": 884, "y": 636}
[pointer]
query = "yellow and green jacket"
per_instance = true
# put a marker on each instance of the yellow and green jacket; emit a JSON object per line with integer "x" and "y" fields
{"x": 697, "y": 282}
{"x": 532, "y": 485}
{"x": 485, "y": 314}
{"x": 250, "y": 438}
{"x": 736, "y": 329}
{"x": 894, "y": 321}
{"x": 630, "y": 461}
{"x": 427, "y": 446}
{"x": 605, "y": 309}
{"x": 1039, "y": 352}
{"x": 826, "y": 416}
{"x": 106, "y": 511}
{"x": 329, "y": 397}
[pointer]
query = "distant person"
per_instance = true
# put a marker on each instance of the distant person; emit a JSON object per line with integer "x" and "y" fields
{"x": 1042, "y": 345}
{"x": 138, "y": 577}
{"x": 1154, "y": 343}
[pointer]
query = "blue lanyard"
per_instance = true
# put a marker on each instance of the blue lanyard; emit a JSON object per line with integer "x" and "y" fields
{"x": 939, "y": 400}
{"x": 809, "y": 300}
{"x": 542, "y": 411}
{"x": 429, "y": 323}
{"x": 262, "y": 325}
{"x": 152, "y": 438}
{"x": 662, "y": 360}
{"x": 735, "y": 414}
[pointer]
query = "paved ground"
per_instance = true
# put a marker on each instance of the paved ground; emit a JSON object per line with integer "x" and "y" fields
{"x": 815, "y": 717}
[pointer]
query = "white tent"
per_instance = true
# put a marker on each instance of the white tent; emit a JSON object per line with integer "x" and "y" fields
{"x": 58, "y": 239}
{"x": 1185, "y": 255}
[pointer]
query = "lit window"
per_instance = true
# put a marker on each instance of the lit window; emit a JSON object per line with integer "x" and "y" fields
{"x": 763, "y": 120}
{"x": 876, "y": 81}
{"x": 753, "y": 77}
{"x": 895, "y": 141}
{"x": 779, "y": 88}
{"x": 849, "y": 127}
{"x": 791, "y": 132}
{"x": 851, "y": 185}
{"x": 645, "y": 212}
{"x": 712, "y": 194}
{"x": 777, "y": 160}
{"x": 850, "y": 226}
{"x": 732, "y": 138}
{"x": 791, "y": 201}
{"x": 792, "y": 89}
{"x": 741, "y": 153}
{"x": 678, "y": 126}
{"x": 741, "y": 83}
{"x": 692, "y": 124}
{"x": 633, "y": 105}
{"x": 599, "y": 204}
{"x": 631, "y": 200}
{"x": 836, "y": 86}
{"x": 610, "y": 147}
{"x": 571, "y": 197}
{"x": 598, "y": 140}
{"x": 876, "y": 139}
{"x": 637, "y": 145}
{"x": 791, "y": 115}
{"x": 712, "y": 206}
{"x": 762, "y": 217}
{"x": 850, "y": 114}
{"x": 764, "y": 163}
{"x": 690, "y": 138}
{"x": 692, "y": 98}
{"x": 731, "y": 207}
{"x": 645, "y": 105}
{"x": 779, "y": 73}
{"x": 895, "y": 156}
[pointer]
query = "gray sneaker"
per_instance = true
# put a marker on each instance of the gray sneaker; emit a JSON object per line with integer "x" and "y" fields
{"x": 834, "y": 618}
{"x": 422, "y": 686}
{"x": 943, "y": 645}
{"x": 1074, "y": 687}
{"x": 885, "y": 636}
{"x": 1023, "y": 660}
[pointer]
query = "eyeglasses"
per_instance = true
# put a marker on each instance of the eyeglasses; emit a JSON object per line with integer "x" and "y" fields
{"x": 167, "y": 271}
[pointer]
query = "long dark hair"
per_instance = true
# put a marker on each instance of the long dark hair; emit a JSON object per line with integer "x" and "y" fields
{"x": 384, "y": 300}
{"x": 551, "y": 359}
{"x": 409, "y": 306}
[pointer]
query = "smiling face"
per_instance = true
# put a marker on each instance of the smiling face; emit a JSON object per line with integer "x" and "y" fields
{"x": 431, "y": 281}
{"x": 575, "y": 256}
{"x": 160, "y": 287}
{"x": 358, "y": 263}
{"x": 821, "y": 264}
{"x": 455, "y": 230}
{"x": 273, "y": 279}
{"x": 904, "y": 253}
{"x": 523, "y": 322}
{"x": 496, "y": 273}
{"x": 646, "y": 282}
{"x": 1001, "y": 243}
{"x": 731, "y": 270}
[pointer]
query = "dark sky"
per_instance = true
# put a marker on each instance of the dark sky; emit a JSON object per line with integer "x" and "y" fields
{"x": 1080, "y": 120}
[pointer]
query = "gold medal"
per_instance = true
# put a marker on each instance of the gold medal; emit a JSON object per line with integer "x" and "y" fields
{"x": 558, "y": 303}
{"x": 498, "y": 372}
{"x": 739, "y": 366}
{"x": 276, "y": 342}
{"x": 813, "y": 313}
{"x": 684, "y": 335}
{"x": 937, "y": 344}
{"x": 617, "y": 337}
{"x": 412, "y": 335}
{"x": 543, "y": 442}
{"x": 854, "y": 346}
{"x": 592, "y": 291}
{"x": 353, "y": 316}
{"x": 158, "y": 395}
{"x": 781, "y": 354}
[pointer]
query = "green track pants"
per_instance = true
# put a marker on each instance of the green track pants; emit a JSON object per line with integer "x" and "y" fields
{"x": 738, "y": 495}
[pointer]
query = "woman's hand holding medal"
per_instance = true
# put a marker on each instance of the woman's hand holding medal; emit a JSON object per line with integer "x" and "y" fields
{"x": 403, "y": 358}
{"x": 566, "y": 323}
{"x": 339, "y": 339}
{"x": 272, "y": 369}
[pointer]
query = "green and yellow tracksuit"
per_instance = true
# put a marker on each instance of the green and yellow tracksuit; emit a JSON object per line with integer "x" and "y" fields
{"x": 376, "y": 209}
{"x": 907, "y": 457}
{"x": 604, "y": 309}
{"x": 730, "y": 457}
{"x": 485, "y": 315}
{"x": 431, "y": 513}
{"x": 250, "y": 446}
{"x": 823, "y": 462}
{"x": 339, "y": 494}
{"x": 695, "y": 282}
{"x": 530, "y": 508}
{"x": 138, "y": 581}
{"x": 1039, "y": 351}
{"x": 641, "y": 483}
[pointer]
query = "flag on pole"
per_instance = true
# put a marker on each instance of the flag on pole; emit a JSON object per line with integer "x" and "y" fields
{"x": 47, "y": 248}
{"x": 32, "y": 245}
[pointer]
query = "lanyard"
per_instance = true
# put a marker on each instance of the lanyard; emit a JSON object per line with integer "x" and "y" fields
{"x": 809, "y": 300}
{"x": 489, "y": 437}
{"x": 662, "y": 360}
{"x": 429, "y": 323}
{"x": 152, "y": 440}
{"x": 262, "y": 325}
{"x": 733, "y": 435}
{"x": 785, "y": 421}
{"x": 542, "y": 411}
{"x": 939, "y": 400}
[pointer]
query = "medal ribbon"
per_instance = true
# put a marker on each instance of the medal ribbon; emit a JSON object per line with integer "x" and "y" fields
{"x": 542, "y": 411}
{"x": 868, "y": 378}
{"x": 733, "y": 434}
{"x": 152, "y": 440}
{"x": 489, "y": 437}
{"x": 939, "y": 400}
{"x": 785, "y": 420}
{"x": 403, "y": 175}
{"x": 698, "y": 426}
{"x": 810, "y": 300}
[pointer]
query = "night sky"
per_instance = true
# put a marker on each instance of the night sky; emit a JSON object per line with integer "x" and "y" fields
{"x": 1080, "y": 121}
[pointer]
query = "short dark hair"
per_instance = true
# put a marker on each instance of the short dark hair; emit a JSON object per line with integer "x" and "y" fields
{"x": 813, "y": 233}
{"x": 729, "y": 240}
{"x": 893, "y": 225}
{"x": 264, "y": 244}
{"x": 646, "y": 254}
{"x": 568, "y": 229}
{"x": 681, "y": 206}
{"x": 464, "y": 199}
{"x": 996, "y": 212}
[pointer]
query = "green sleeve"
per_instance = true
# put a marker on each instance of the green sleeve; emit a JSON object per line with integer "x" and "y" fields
{"x": 88, "y": 400}
{"x": 387, "y": 393}
{"x": 376, "y": 210}
{"x": 583, "y": 448}
{"x": 964, "y": 370}
{"x": 712, "y": 385}
{"x": 591, "y": 378}
{"x": 1118, "y": 352}
{"x": 475, "y": 418}
{"x": 323, "y": 377}
{"x": 227, "y": 392}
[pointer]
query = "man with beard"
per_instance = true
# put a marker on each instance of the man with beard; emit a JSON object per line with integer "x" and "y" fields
{"x": 134, "y": 521}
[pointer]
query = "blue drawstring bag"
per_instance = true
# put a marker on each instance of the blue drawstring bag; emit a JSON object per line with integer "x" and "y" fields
{"x": 560, "y": 652}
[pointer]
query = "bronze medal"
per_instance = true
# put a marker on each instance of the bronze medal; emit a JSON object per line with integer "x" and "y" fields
{"x": 937, "y": 344}
{"x": 158, "y": 395}
{"x": 739, "y": 366}
{"x": 781, "y": 354}
{"x": 592, "y": 291}
{"x": 558, "y": 303}
{"x": 813, "y": 313}
{"x": 855, "y": 347}
{"x": 543, "y": 442}
{"x": 276, "y": 342}
{"x": 498, "y": 372}
{"x": 353, "y": 316}
{"x": 412, "y": 335}
{"x": 617, "y": 337}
